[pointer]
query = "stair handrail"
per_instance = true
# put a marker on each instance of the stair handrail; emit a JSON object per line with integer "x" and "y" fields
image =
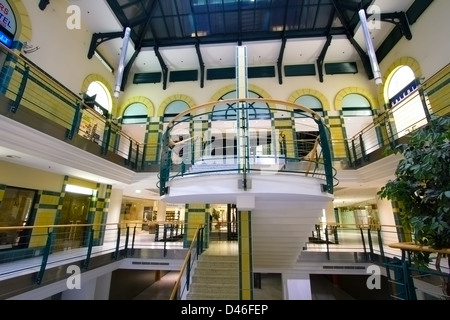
{"x": 194, "y": 250}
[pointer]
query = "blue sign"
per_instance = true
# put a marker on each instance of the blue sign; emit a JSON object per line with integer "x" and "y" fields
{"x": 5, "y": 39}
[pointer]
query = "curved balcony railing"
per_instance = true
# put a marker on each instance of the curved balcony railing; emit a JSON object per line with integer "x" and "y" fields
{"x": 28, "y": 89}
{"x": 292, "y": 140}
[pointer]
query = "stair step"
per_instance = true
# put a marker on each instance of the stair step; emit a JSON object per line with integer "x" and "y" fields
{"x": 215, "y": 277}
{"x": 209, "y": 285}
{"x": 206, "y": 257}
{"x": 218, "y": 266}
{"x": 214, "y": 289}
{"x": 212, "y": 296}
{"x": 210, "y": 276}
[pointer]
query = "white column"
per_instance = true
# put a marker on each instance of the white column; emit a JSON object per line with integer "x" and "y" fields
{"x": 115, "y": 204}
{"x": 103, "y": 286}
{"x": 161, "y": 213}
{"x": 299, "y": 289}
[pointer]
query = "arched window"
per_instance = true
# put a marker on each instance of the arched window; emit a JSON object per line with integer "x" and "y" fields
{"x": 135, "y": 113}
{"x": 224, "y": 118}
{"x": 174, "y": 108}
{"x": 407, "y": 107}
{"x": 358, "y": 117}
{"x": 357, "y": 113}
{"x": 171, "y": 111}
{"x": 134, "y": 121}
{"x": 311, "y": 102}
{"x": 402, "y": 78}
{"x": 98, "y": 97}
{"x": 257, "y": 110}
{"x": 302, "y": 122}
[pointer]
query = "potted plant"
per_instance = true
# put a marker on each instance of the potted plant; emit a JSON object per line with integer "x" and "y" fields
{"x": 422, "y": 186}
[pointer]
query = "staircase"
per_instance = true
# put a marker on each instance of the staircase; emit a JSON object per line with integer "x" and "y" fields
{"x": 216, "y": 277}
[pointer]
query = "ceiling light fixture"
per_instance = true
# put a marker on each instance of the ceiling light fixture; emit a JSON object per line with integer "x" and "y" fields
{"x": 123, "y": 54}
{"x": 370, "y": 49}
{"x": 77, "y": 189}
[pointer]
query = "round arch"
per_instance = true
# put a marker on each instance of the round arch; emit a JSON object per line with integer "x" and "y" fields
{"x": 98, "y": 78}
{"x": 312, "y": 92}
{"x": 162, "y": 107}
{"x": 232, "y": 87}
{"x": 404, "y": 61}
{"x": 24, "y": 28}
{"x": 139, "y": 99}
{"x": 364, "y": 92}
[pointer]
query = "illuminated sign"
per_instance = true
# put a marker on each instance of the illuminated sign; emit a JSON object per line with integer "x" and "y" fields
{"x": 7, "y": 23}
{"x": 5, "y": 39}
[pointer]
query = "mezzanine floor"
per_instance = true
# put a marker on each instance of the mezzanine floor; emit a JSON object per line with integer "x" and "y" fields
{"x": 271, "y": 284}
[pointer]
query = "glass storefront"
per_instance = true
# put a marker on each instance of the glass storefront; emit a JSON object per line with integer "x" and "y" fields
{"x": 16, "y": 210}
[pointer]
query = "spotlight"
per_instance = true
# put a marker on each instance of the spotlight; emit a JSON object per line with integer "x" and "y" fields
{"x": 43, "y": 4}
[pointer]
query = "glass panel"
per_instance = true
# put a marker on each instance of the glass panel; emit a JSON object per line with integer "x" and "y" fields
{"x": 401, "y": 78}
{"x": 15, "y": 210}
{"x": 102, "y": 97}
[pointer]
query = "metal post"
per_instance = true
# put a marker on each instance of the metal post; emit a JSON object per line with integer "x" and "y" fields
{"x": 45, "y": 255}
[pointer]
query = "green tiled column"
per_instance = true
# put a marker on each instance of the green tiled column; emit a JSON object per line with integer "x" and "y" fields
{"x": 2, "y": 192}
{"x": 200, "y": 128}
{"x": 284, "y": 124}
{"x": 195, "y": 215}
{"x": 48, "y": 208}
{"x": 404, "y": 235}
{"x": 335, "y": 121}
{"x": 154, "y": 128}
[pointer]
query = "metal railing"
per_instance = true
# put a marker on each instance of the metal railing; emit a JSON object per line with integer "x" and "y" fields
{"x": 378, "y": 244}
{"x": 29, "y": 88}
{"x": 49, "y": 247}
{"x": 184, "y": 279}
{"x": 246, "y": 145}
{"x": 37, "y": 249}
{"x": 392, "y": 127}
